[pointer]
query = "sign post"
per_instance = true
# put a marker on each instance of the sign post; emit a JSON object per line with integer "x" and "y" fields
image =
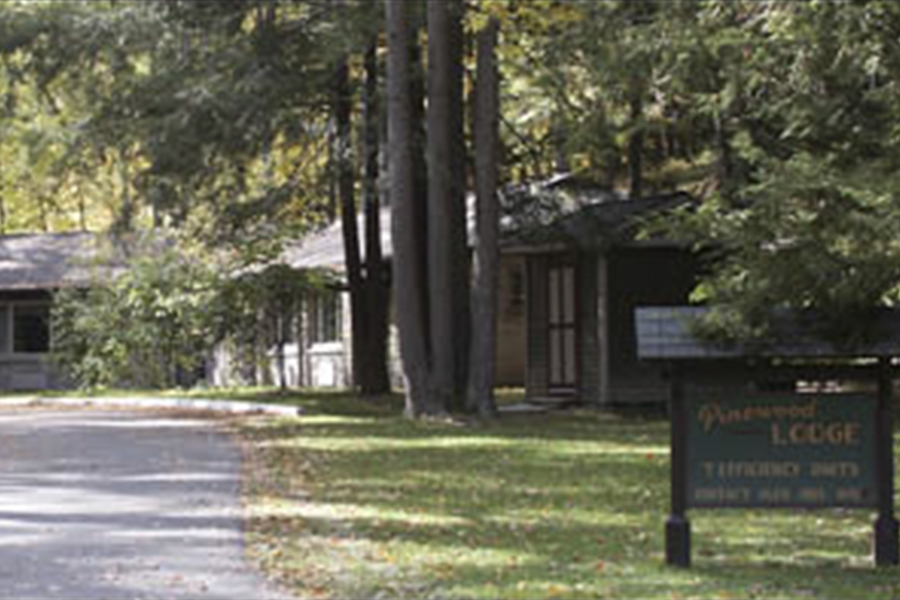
{"x": 886, "y": 538}
{"x": 737, "y": 444}
{"x": 678, "y": 527}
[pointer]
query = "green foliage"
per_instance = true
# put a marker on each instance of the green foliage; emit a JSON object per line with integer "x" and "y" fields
{"x": 157, "y": 322}
{"x": 208, "y": 116}
{"x": 812, "y": 222}
{"x": 783, "y": 117}
{"x": 152, "y": 326}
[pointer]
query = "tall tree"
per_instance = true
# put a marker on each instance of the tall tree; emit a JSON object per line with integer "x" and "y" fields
{"x": 410, "y": 286}
{"x": 346, "y": 188}
{"x": 374, "y": 376}
{"x": 446, "y": 200}
{"x": 487, "y": 232}
{"x": 367, "y": 281}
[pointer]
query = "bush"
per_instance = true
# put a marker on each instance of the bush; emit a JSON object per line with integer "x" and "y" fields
{"x": 150, "y": 327}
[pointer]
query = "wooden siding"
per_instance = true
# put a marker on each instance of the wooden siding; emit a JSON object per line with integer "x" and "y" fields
{"x": 511, "y": 328}
{"x": 642, "y": 277}
{"x": 588, "y": 329}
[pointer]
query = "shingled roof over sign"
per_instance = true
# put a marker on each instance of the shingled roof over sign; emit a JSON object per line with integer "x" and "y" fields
{"x": 53, "y": 260}
{"x": 669, "y": 333}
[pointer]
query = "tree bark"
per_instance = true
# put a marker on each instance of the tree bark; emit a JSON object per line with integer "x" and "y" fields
{"x": 374, "y": 377}
{"x": 442, "y": 92}
{"x": 349, "y": 226}
{"x": 462, "y": 261}
{"x": 636, "y": 145}
{"x": 419, "y": 141}
{"x": 3, "y": 217}
{"x": 408, "y": 282}
{"x": 480, "y": 397}
{"x": 281, "y": 338}
{"x": 448, "y": 255}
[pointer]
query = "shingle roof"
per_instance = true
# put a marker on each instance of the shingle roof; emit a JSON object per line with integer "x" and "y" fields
{"x": 668, "y": 333}
{"x": 324, "y": 249}
{"x": 581, "y": 218}
{"x": 51, "y": 260}
{"x": 607, "y": 221}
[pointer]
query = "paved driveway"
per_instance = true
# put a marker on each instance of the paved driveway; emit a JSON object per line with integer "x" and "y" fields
{"x": 102, "y": 504}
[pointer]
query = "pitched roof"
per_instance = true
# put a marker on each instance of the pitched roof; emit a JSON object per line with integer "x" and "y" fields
{"x": 324, "y": 249}
{"x": 669, "y": 333}
{"x": 606, "y": 221}
{"x": 533, "y": 216}
{"x": 51, "y": 260}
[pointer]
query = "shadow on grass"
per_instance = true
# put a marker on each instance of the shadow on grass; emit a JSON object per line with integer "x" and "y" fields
{"x": 567, "y": 504}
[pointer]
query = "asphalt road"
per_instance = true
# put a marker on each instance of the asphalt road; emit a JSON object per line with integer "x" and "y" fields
{"x": 103, "y": 504}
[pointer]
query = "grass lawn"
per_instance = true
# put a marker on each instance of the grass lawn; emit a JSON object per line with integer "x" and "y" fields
{"x": 351, "y": 500}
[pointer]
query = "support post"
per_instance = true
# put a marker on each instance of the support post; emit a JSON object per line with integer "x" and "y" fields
{"x": 886, "y": 528}
{"x": 678, "y": 526}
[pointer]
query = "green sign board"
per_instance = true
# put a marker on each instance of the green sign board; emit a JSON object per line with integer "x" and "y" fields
{"x": 811, "y": 451}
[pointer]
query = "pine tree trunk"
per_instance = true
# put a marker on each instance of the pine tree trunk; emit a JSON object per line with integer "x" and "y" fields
{"x": 3, "y": 213}
{"x": 409, "y": 283}
{"x": 487, "y": 233}
{"x": 349, "y": 226}
{"x": 448, "y": 254}
{"x": 636, "y": 145}
{"x": 462, "y": 261}
{"x": 374, "y": 377}
{"x": 419, "y": 142}
{"x": 281, "y": 356}
{"x": 441, "y": 201}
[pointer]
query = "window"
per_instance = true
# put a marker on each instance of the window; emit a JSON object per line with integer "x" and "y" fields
{"x": 279, "y": 327}
{"x": 325, "y": 317}
{"x": 31, "y": 328}
{"x": 515, "y": 304}
{"x": 562, "y": 326}
{"x": 24, "y": 328}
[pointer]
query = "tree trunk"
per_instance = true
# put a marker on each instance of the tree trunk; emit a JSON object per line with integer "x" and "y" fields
{"x": 374, "y": 377}
{"x": 636, "y": 145}
{"x": 419, "y": 139}
{"x": 3, "y": 217}
{"x": 487, "y": 233}
{"x": 462, "y": 261}
{"x": 281, "y": 342}
{"x": 349, "y": 227}
{"x": 444, "y": 100}
{"x": 125, "y": 218}
{"x": 331, "y": 173}
{"x": 409, "y": 284}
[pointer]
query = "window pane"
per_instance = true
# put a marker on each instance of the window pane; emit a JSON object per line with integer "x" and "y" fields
{"x": 569, "y": 354}
{"x": 31, "y": 329}
{"x": 289, "y": 328}
{"x": 325, "y": 317}
{"x": 555, "y": 313}
{"x": 556, "y": 359}
{"x": 568, "y": 283}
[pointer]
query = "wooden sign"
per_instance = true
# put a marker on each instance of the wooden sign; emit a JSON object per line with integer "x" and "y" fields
{"x": 809, "y": 451}
{"x": 793, "y": 450}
